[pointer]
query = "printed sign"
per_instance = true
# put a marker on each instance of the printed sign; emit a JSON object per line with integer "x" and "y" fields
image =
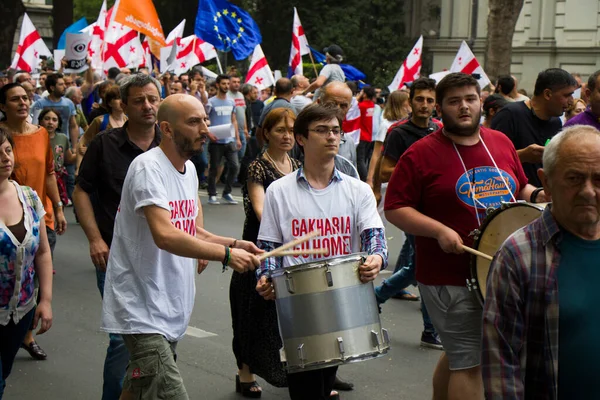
{"x": 76, "y": 52}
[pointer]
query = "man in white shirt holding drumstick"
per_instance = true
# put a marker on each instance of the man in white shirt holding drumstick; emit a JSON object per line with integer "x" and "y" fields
{"x": 319, "y": 198}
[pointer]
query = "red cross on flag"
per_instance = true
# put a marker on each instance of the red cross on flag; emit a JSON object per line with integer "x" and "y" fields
{"x": 466, "y": 63}
{"x": 351, "y": 123}
{"x": 299, "y": 46}
{"x": 192, "y": 51}
{"x": 122, "y": 46}
{"x": 31, "y": 47}
{"x": 410, "y": 68}
{"x": 96, "y": 31}
{"x": 146, "y": 55}
{"x": 259, "y": 74}
{"x": 168, "y": 54}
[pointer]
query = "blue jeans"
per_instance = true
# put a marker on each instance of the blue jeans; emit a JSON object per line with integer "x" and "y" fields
{"x": 242, "y": 150}
{"x": 11, "y": 337}
{"x": 404, "y": 275}
{"x": 117, "y": 356}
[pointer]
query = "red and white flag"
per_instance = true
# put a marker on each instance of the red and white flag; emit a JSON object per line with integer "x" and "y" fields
{"x": 146, "y": 55}
{"x": 168, "y": 54}
{"x": 122, "y": 46}
{"x": 96, "y": 31}
{"x": 31, "y": 47}
{"x": 192, "y": 52}
{"x": 466, "y": 62}
{"x": 299, "y": 46}
{"x": 260, "y": 74}
{"x": 351, "y": 123}
{"x": 410, "y": 68}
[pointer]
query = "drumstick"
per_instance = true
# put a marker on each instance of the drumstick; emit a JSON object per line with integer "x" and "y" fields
{"x": 477, "y": 252}
{"x": 317, "y": 252}
{"x": 289, "y": 245}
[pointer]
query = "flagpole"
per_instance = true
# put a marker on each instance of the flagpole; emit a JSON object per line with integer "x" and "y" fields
{"x": 313, "y": 63}
{"x": 219, "y": 63}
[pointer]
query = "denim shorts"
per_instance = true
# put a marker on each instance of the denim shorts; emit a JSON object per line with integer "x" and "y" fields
{"x": 456, "y": 317}
{"x": 152, "y": 372}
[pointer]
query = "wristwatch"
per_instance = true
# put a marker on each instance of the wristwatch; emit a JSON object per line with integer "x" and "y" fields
{"x": 59, "y": 204}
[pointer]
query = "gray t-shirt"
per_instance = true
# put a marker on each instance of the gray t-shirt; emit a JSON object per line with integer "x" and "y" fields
{"x": 299, "y": 102}
{"x": 333, "y": 72}
{"x": 220, "y": 114}
{"x": 240, "y": 109}
{"x": 277, "y": 103}
{"x": 64, "y": 107}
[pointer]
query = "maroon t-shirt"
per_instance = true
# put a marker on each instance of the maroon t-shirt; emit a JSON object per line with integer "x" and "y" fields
{"x": 430, "y": 178}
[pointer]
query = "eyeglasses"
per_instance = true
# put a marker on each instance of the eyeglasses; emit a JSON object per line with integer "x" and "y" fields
{"x": 325, "y": 130}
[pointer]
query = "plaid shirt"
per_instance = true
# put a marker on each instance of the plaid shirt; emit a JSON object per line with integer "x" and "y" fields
{"x": 520, "y": 319}
{"x": 372, "y": 241}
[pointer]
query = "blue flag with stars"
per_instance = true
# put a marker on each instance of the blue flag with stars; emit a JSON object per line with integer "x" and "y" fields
{"x": 227, "y": 27}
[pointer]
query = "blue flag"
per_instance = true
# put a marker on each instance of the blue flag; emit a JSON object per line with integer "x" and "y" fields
{"x": 352, "y": 73}
{"x": 75, "y": 28}
{"x": 227, "y": 27}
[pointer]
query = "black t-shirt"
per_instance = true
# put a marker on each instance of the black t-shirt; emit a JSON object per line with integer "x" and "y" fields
{"x": 102, "y": 173}
{"x": 403, "y": 134}
{"x": 523, "y": 128}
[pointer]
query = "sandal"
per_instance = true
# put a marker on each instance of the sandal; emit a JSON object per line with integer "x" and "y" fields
{"x": 334, "y": 395}
{"x": 406, "y": 295}
{"x": 245, "y": 388}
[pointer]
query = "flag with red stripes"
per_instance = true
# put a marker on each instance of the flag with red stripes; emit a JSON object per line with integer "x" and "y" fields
{"x": 122, "y": 46}
{"x": 96, "y": 32}
{"x": 168, "y": 54}
{"x": 299, "y": 47}
{"x": 192, "y": 51}
{"x": 410, "y": 68}
{"x": 351, "y": 123}
{"x": 260, "y": 74}
{"x": 31, "y": 47}
{"x": 466, "y": 62}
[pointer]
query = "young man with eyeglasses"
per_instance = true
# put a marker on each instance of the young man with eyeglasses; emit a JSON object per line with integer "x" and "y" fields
{"x": 319, "y": 193}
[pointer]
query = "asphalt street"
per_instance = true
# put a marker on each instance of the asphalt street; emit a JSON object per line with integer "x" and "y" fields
{"x": 76, "y": 348}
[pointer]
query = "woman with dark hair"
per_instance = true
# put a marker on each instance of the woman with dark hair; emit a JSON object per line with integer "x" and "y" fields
{"x": 255, "y": 319}
{"x": 24, "y": 258}
{"x": 34, "y": 167}
{"x": 24, "y": 255}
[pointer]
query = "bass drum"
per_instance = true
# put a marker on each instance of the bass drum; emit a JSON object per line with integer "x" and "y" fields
{"x": 496, "y": 228}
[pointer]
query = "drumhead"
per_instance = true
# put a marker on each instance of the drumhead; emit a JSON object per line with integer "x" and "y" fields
{"x": 329, "y": 262}
{"x": 494, "y": 231}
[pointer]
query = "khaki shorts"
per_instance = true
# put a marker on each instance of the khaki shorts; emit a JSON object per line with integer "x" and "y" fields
{"x": 457, "y": 318}
{"x": 152, "y": 372}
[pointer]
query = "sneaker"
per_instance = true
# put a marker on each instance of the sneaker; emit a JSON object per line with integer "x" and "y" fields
{"x": 213, "y": 200}
{"x": 228, "y": 199}
{"x": 431, "y": 340}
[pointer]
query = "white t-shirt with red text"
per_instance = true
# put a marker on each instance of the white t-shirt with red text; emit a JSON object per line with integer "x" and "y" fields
{"x": 340, "y": 212}
{"x": 149, "y": 290}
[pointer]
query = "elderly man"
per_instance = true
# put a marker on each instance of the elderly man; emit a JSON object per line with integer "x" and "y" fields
{"x": 74, "y": 94}
{"x": 299, "y": 101}
{"x": 539, "y": 343}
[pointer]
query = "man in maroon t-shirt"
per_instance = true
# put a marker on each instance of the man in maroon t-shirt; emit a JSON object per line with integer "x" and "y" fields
{"x": 363, "y": 150}
{"x": 439, "y": 192}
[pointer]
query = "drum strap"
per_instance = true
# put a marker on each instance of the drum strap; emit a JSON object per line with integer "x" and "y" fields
{"x": 471, "y": 189}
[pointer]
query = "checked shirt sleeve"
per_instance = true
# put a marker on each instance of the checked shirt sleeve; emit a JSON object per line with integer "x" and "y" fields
{"x": 372, "y": 241}
{"x": 271, "y": 263}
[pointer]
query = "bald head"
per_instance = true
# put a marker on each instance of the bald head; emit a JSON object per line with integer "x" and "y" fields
{"x": 337, "y": 93}
{"x": 283, "y": 87}
{"x": 300, "y": 82}
{"x": 177, "y": 107}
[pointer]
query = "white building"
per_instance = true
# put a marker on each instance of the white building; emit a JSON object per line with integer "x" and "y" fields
{"x": 549, "y": 33}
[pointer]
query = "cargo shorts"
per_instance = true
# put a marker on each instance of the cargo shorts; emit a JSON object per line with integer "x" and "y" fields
{"x": 152, "y": 372}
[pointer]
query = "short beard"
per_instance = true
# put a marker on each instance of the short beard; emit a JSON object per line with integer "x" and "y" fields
{"x": 464, "y": 131}
{"x": 185, "y": 146}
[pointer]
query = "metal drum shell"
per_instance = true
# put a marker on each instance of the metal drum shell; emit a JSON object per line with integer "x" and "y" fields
{"x": 498, "y": 226}
{"x": 327, "y": 316}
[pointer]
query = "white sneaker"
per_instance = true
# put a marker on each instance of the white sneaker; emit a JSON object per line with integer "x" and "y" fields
{"x": 213, "y": 200}
{"x": 228, "y": 199}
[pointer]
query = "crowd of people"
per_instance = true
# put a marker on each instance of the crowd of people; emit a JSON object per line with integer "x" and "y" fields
{"x": 131, "y": 152}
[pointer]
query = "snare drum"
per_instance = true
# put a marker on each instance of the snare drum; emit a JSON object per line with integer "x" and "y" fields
{"x": 496, "y": 228}
{"x": 327, "y": 316}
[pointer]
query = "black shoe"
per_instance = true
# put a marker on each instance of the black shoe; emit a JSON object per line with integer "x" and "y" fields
{"x": 342, "y": 385}
{"x": 34, "y": 350}
{"x": 245, "y": 388}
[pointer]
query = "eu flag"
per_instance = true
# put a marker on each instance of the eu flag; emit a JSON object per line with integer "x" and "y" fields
{"x": 227, "y": 27}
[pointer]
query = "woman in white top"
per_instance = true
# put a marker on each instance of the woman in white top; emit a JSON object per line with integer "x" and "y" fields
{"x": 397, "y": 107}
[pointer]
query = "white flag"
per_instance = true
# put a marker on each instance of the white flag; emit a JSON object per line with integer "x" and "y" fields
{"x": 299, "y": 46}
{"x": 97, "y": 31}
{"x": 31, "y": 48}
{"x": 168, "y": 53}
{"x": 259, "y": 74}
{"x": 410, "y": 68}
{"x": 466, "y": 63}
{"x": 192, "y": 52}
{"x": 122, "y": 47}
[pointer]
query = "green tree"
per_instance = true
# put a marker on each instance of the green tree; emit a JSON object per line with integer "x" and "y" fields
{"x": 10, "y": 11}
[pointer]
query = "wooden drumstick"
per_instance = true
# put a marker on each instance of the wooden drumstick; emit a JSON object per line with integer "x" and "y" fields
{"x": 477, "y": 253}
{"x": 289, "y": 245}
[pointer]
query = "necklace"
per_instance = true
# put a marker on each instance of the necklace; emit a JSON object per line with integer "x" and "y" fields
{"x": 275, "y": 164}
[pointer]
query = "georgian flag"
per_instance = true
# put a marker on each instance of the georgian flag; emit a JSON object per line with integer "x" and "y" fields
{"x": 96, "y": 32}
{"x": 31, "y": 47}
{"x": 260, "y": 74}
{"x": 192, "y": 52}
{"x": 299, "y": 47}
{"x": 122, "y": 46}
{"x": 351, "y": 123}
{"x": 466, "y": 63}
{"x": 410, "y": 68}
{"x": 168, "y": 54}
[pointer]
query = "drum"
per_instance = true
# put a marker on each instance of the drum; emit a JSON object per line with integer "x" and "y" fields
{"x": 496, "y": 228}
{"x": 327, "y": 316}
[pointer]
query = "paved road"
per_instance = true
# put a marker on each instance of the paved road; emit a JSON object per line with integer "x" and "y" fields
{"x": 76, "y": 347}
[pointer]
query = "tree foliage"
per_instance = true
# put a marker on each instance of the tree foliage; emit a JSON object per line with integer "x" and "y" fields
{"x": 10, "y": 11}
